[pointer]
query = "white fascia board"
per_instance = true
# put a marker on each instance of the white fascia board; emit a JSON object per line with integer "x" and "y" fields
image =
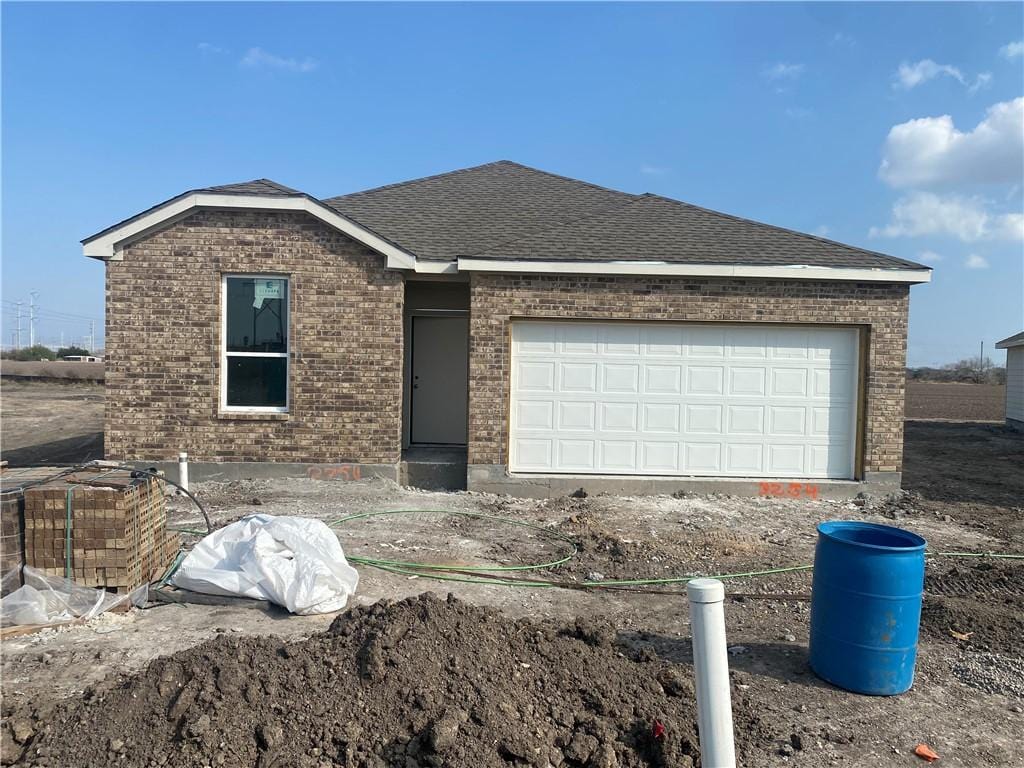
{"x": 794, "y": 272}
{"x": 110, "y": 245}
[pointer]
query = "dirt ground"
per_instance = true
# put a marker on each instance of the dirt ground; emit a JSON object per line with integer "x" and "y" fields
{"x": 412, "y": 683}
{"x": 50, "y": 423}
{"x": 958, "y": 402}
{"x": 965, "y": 485}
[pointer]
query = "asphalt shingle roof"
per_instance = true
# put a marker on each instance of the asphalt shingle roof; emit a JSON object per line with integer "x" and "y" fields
{"x": 474, "y": 209}
{"x": 653, "y": 228}
{"x": 264, "y": 187}
{"x": 505, "y": 210}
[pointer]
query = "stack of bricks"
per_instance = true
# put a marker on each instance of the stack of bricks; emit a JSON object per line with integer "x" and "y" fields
{"x": 118, "y": 529}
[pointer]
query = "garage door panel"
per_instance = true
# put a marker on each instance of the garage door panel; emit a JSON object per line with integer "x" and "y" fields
{"x": 620, "y": 379}
{"x": 704, "y": 419}
{"x": 665, "y": 341}
{"x": 704, "y": 380}
{"x": 746, "y": 419}
{"x": 663, "y": 379}
{"x": 661, "y": 417}
{"x": 744, "y": 458}
{"x": 577, "y": 415}
{"x": 787, "y": 420}
{"x": 706, "y": 342}
{"x": 536, "y": 376}
{"x": 617, "y": 455}
{"x": 619, "y": 417}
{"x": 659, "y": 457}
{"x": 703, "y": 457}
{"x": 683, "y": 399}
{"x": 578, "y": 377}
{"x": 789, "y": 382}
{"x": 576, "y": 454}
{"x": 747, "y": 381}
{"x": 535, "y": 414}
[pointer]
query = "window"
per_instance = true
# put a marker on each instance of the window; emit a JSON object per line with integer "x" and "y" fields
{"x": 255, "y": 343}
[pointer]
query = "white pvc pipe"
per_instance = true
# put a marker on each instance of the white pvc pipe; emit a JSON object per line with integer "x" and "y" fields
{"x": 183, "y": 470}
{"x": 711, "y": 673}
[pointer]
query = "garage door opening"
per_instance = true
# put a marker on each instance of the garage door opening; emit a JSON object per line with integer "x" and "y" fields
{"x": 684, "y": 399}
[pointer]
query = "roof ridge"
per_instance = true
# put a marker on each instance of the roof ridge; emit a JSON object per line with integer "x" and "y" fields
{"x": 568, "y": 178}
{"x": 234, "y": 187}
{"x": 787, "y": 230}
{"x": 559, "y": 225}
{"x": 409, "y": 182}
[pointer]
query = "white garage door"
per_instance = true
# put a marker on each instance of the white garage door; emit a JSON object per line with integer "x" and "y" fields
{"x": 683, "y": 399}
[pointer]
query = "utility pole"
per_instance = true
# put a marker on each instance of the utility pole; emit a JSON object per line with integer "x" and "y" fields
{"x": 17, "y": 344}
{"x": 92, "y": 336}
{"x": 32, "y": 317}
{"x": 981, "y": 362}
{"x": 62, "y": 338}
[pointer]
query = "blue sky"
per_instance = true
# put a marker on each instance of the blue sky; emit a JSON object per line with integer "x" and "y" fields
{"x": 893, "y": 127}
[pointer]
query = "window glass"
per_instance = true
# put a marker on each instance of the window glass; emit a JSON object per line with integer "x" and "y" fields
{"x": 257, "y": 314}
{"x": 257, "y": 381}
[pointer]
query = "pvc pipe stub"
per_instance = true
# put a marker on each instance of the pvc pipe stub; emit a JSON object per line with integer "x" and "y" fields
{"x": 705, "y": 591}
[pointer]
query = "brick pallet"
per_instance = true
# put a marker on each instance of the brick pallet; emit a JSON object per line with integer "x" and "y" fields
{"x": 118, "y": 529}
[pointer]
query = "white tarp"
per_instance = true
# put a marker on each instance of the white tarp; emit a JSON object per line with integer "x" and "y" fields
{"x": 48, "y": 600}
{"x": 292, "y": 561}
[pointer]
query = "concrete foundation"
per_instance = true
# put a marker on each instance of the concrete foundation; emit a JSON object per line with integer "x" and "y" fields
{"x": 264, "y": 470}
{"x": 494, "y": 478}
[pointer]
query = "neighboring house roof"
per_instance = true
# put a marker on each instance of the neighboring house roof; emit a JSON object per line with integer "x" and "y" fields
{"x": 1017, "y": 340}
{"x": 504, "y": 216}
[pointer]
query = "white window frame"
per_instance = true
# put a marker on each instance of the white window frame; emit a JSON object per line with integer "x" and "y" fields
{"x": 224, "y": 354}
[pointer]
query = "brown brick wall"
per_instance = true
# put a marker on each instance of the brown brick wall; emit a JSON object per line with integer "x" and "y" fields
{"x": 882, "y": 309}
{"x": 163, "y": 344}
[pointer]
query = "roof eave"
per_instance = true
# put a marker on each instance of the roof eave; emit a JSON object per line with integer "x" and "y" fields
{"x": 670, "y": 269}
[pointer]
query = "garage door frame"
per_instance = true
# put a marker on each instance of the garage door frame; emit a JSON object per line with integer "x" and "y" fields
{"x": 860, "y": 361}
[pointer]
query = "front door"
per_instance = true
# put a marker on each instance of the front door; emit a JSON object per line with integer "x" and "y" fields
{"x": 440, "y": 380}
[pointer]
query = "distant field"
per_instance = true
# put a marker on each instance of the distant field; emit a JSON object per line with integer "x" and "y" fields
{"x": 962, "y": 402}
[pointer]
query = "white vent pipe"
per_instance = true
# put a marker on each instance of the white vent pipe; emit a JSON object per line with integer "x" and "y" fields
{"x": 711, "y": 673}
{"x": 183, "y": 470}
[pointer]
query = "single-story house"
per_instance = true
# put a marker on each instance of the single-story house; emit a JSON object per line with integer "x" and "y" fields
{"x": 1014, "y": 346}
{"x": 540, "y": 333}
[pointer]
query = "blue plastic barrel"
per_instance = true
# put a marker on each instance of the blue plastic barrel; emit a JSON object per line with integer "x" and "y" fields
{"x": 866, "y": 606}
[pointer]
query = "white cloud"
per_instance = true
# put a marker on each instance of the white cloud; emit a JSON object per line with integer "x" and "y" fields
{"x": 912, "y": 75}
{"x": 822, "y": 230}
{"x": 799, "y": 113}
{"x": 211, "y": 48}
{"x": 257, "y": 58}
{"x": 967, "y": 218}
{"x": 1012, "y": 50}
{"x": 654, "y": 170}
{"x": 841, "y": 39}
{"x": 974, "y": 261}
{"x": 932, "y": 151}
{"x": 783, "y": 71}
{"x": 983, "y": 80}
{"x": 929, "y": 257}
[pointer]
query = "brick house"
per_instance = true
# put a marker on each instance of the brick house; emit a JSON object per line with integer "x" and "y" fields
{"x": 527, "y": 332}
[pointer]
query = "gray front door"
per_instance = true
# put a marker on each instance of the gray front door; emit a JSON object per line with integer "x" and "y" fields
{"x": 440, "y": 380}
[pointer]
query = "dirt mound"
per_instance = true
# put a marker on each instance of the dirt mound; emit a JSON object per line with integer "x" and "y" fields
{"x": 983, "y": 601}
{"x": 420, "y": 682}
